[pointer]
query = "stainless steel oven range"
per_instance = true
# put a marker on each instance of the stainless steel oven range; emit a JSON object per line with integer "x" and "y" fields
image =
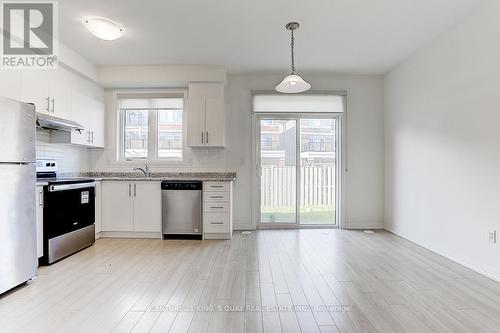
{"x": 68, "y": 213}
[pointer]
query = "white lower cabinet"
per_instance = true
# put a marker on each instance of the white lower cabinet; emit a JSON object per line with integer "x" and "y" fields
{"x": 147, "y": 206}
{"x": 217, "y": 210}
{"x": 131, "y": 207}
{"x": 116, "y": 206}
{"x": 98, "y": 208}
{"x": 39, "y": 221}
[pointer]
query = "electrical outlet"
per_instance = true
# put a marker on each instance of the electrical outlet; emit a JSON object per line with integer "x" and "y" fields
{"x": 492, "y": 236}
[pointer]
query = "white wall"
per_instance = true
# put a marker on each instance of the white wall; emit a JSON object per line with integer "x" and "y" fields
{"x": 442, "y": 143}
{"x": 364, "y": 180}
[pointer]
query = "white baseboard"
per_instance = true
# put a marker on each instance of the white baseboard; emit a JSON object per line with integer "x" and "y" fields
{"x": 217, "y": 236}
{"x": 130, "y": 234}
{"x": 243, "y": 227}
{"x": 360, "y": 225}
{"x": 460, "y": 262}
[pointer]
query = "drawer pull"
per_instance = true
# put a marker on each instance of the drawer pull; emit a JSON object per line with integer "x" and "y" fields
{"x": 216, "y": 197}
{"x": 217, "y": 207}
{"x": 217, "y": 186}
{"x": 216, "y": 222}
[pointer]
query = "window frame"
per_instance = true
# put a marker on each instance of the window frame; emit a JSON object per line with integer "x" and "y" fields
{"x": 153, "y": 139}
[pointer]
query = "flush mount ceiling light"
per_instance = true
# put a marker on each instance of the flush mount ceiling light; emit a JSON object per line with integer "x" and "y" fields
{"x": 103, "y": 28}
{"x": 293, "y": 83}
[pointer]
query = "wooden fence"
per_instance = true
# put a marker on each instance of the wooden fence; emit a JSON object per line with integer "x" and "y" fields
{"x": 317, "y": 186}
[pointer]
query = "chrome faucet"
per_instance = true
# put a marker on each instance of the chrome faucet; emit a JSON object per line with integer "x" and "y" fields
{"x": 145, "y": 171}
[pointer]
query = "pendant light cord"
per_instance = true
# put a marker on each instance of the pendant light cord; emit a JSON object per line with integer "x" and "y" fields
{"x": 292, "y": 44}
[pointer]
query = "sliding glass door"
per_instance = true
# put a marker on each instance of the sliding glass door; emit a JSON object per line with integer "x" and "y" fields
{"x": 297, "y": 162}
{"x": 317, "y": 171}
{"x": 278, "y": 151}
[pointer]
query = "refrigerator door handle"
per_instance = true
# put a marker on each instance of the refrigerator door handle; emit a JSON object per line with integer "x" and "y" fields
{"x": 40, "y": 194}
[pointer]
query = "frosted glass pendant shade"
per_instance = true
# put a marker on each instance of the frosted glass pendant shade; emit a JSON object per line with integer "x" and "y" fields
{"x": 293, "y": 84}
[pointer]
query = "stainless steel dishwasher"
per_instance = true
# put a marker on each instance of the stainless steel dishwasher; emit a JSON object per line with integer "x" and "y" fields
{"x": 181, "y": 208}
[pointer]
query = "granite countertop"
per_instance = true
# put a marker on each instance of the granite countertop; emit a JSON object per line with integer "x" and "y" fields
{"x": 156, "y": 176}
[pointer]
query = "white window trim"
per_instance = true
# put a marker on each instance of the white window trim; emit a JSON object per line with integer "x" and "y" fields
{"x": 116, "y": 122}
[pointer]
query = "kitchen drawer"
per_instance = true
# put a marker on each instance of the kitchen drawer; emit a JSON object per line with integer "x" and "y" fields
{"x": 216, "y": 186}
{"x": 216, "y": 207}
{"x": 216, "y": 196}
{"x": 217, "y": 222}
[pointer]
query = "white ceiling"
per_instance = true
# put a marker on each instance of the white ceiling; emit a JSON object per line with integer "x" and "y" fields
{"x": 346, "y": 36}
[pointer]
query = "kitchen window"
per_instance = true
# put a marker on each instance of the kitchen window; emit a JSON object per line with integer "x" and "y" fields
{"x": 151, "y": 128}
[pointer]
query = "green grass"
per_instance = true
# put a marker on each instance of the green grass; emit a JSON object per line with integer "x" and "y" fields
{"x": 308, "y": 215}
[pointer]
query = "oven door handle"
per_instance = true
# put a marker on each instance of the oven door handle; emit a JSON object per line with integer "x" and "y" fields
{"x": 67, "y": 187}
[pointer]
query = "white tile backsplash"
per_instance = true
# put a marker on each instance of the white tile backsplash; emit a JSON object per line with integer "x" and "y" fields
{"x": 69, "y": 158}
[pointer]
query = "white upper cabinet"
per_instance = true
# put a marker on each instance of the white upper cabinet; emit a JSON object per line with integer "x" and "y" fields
{"x": 48, "y": 90}
{"x": 195, "y": 117}
{"x": 62, "y": 94}
{"x": 35, "y": 89}
{"x": 215, "y": 122}
{"x": 89, "y": 113}
{"x": 206, "y": 115}
{"x": 10, "y": 84}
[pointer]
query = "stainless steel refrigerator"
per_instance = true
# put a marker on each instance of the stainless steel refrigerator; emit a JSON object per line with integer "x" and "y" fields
{"x": 18, "y": 258}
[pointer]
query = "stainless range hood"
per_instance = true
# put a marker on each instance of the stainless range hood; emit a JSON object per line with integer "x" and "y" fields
{"x": 46, "y": 121}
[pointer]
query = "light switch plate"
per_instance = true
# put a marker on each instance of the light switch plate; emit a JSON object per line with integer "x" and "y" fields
{"x": 492, "y": 236}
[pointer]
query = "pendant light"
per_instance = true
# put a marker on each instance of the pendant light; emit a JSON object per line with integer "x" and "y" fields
{"x": 293, "y": 83}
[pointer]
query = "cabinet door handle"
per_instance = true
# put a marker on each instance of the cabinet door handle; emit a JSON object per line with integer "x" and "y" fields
{"x": 207, "y": 137}
{"x": 202, "y": 137}
{"x": 53, "y": 100}
{"x": 40, "y": 193}
{"x": 48, "y": 104}
{"x": 135, "y": 190}
{"x": 92, "y": 136}
{"x": 129, "y": 190}
{"x": 216, "y": 222}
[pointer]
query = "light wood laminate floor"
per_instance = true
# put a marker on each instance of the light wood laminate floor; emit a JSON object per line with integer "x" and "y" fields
{"x": 269, "y": 281}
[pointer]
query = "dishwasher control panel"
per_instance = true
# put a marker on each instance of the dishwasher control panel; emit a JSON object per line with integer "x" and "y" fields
{"x": 181, "y": 185}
